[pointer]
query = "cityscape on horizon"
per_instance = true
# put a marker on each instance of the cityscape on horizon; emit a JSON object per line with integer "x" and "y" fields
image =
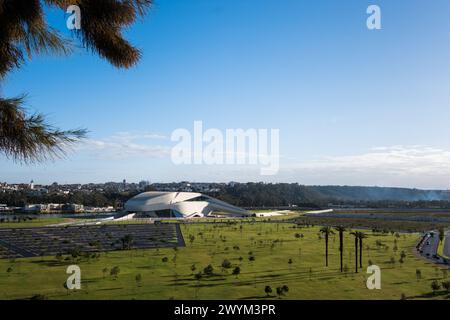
{"x": 145, "y": 182}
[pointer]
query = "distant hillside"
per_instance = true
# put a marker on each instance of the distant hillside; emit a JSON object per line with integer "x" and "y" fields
{"x": 348, "y": 193}
{"x": 284, "y": 194}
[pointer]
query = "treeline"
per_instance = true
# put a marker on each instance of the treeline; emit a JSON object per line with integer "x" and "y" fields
{"x": 93, "y": 199}
{"x": 371, "y": 194}
{"x": 269, "y": 195}
{"x": 264, "y": 195}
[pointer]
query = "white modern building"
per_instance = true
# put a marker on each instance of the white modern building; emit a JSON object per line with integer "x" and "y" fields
{"x": 181, "y": 205}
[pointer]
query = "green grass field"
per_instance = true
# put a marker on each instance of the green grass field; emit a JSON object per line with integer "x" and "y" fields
{"x": 271, "y": 244}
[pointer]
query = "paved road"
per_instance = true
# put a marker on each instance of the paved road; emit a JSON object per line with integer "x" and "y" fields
{"x": 430, "y": 245}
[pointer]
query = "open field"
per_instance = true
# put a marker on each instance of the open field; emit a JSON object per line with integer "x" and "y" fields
{"x": 443, "y": 213}
{"x": 379, "y": 224}
{"x": 169, "y": 273}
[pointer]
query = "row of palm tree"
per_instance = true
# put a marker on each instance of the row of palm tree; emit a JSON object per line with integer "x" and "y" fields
{"x": 359, "y": 236}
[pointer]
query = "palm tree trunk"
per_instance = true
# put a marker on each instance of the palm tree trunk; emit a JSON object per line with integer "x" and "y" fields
{"x": 341, "y": 248}
{"x": 356, "y": 254}
{"x": 326, "y": 249}
{"x": 360, "y": 252}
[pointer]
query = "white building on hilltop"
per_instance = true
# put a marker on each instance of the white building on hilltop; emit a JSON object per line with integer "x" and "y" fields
{"x": 181, "y": 205}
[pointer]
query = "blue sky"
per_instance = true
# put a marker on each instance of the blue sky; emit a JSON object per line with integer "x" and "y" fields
{"x": 354, "y": 106}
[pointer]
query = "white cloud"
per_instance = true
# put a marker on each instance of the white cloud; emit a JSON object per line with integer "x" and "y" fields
{"x": 124, "y": 145}
{"x": 396, "y": 159}
{"x": 419, "y": 166}
{"x": 126, "y": 136}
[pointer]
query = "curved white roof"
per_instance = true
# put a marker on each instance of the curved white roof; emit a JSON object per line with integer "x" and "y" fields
{"x": 188, "y": 204}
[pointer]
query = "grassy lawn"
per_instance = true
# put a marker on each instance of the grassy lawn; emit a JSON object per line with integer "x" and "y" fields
{"x": 441, "y": 246}
{"x": 271, "y": 244}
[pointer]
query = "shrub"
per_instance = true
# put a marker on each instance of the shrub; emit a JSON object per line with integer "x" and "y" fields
{"x": 115, "y": 271}
{"x": 226, "y": 264}
{"x": 208, "y": 270}
{"x": 435, "y": 286}
{"x": 138, "y": 279}
{"x": 281, "y": 291}
{"x": 418, "y": 274}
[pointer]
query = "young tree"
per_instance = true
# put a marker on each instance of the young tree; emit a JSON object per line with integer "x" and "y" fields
{"x": 435, "y": 286}
{"x": 226, "y": 264}
{"x": 402, "y": 257}
{"x": 268, "y": 290}
{"x": 138, "y": 279}
{"x": 281, "y": 291}
{"x": 418, "y": 274}
{"x": 208, "y": 270}
{"x": 115, "y": 272}
{"x": 236, "y": 271}
{"x": 127, "y": 242}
